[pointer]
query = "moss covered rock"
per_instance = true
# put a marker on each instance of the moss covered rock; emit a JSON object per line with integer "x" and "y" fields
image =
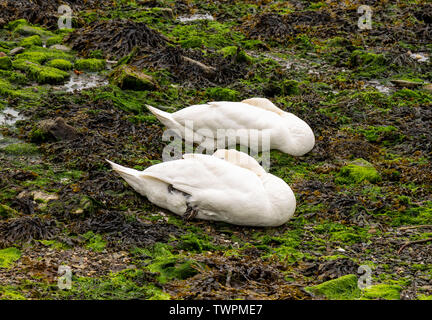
{"x": 382, "y": 291}
{"x": 126, "y": 77}
{"x": 343, "y": 288}
{"x": 31, "y": 41}
{"x": 5, "y": 63}
{"x": 61, "y": 64}
{"x": 90, "y": 64}
{"x": 358, "y": 171}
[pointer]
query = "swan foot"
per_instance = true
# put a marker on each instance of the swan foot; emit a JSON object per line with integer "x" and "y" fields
{"x": 190, "y": 214}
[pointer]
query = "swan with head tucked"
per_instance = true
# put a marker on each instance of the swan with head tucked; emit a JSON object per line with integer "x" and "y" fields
{"x": 228, "y": 186}
{"x": 287, "y": 132}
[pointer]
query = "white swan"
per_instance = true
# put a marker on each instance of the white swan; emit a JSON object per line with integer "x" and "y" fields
{"x": 287, "y": 132}
{"x": 229, "y": 186}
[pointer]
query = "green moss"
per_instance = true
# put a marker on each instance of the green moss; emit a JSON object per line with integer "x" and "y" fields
{"x": 169, "y": 266}
{"x": 192, "y": 242}
{"x": 61, "y": 64}
{"x": 27, "y": 30}
{"x": 290, "y": 87}
{"x": 235, "y": 52}
{"x": 8, "y": 256}
{"x": 128, "y": 78}
{"x": 341, "y": 233}
{"x": 90, "y": 64}
{"x": 10, "y": 293}
{"x": 7, "y": 212}
{"x": 358, "y": 171}
{"x": 54, "y": 40}
{"x": 343, "y": 288}
{"x": 33, "y": 56}
{"x": 5, "y": 63}
{"x": 368, "y": 64}
{"x": 384, "y": 134}
{"x": 382, "y": 291}
{"x": 20, "y": 149}
{"x": 123, "y": 285}
{"x": 95, "y": 242}
{"x": 31, "y": 41}
{"x": 15, "y": 23}
{"x": 222, "y": 94}
{"x": 41, "y": 74}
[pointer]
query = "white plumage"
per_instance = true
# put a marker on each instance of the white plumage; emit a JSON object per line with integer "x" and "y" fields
{"x": 229, "y": 186}
{"x": 288, "y": 133}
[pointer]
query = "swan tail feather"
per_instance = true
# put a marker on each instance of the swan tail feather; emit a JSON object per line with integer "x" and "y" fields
{"x": 164, "y": 117}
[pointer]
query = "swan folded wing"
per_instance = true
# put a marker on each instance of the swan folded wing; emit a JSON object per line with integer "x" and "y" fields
{"x": 264, "y": 104}
{"x": 227, "y": 116}
{"x": 209, "y": 181}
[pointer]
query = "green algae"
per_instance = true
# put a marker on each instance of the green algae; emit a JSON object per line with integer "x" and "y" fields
{"x": 381, "y": 291}
{"x": 128, "y": 78}
{"x": 20, "y": 149}
{"x": 367, "y": 64}
{"x": 222, "y": 94}
{"x": 31, "y": 41}
{"x": 11, "y": 293}
{"x": 7, "y": 212}
{"x": 5, "y": 63}
{"x": 123, "y": 285}
{"x": 92, "y": 65}
{"x": 8, "y": 256}
{"x": 167, "y": 265}
{"x": 95, "y": 242}
{"x": 61, "y": 64}
{"x": 343, "y": 288}
{"x": 358, "y": 171}
{"x": 54, "y": 40}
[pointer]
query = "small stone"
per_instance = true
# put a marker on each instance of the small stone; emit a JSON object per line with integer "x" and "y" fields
{"x": 2, "y": 54}
{"x": 406, "y": 83}
{"x": 59, "y": 129}
{"x": 60, "y": 47}
{"x": 16, "y": 50}
{"x": 128, "y": 78}
{"x": 428, "y": 87}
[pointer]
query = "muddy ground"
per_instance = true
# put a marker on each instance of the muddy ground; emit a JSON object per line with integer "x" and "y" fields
{"x": 365, "y": 93}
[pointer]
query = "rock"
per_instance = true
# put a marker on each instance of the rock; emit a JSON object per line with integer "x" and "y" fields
{"x": 358, "y": 171}
{"x": 342, "y": 288}
{"x": 129, "y": 78}
{"x": 210, "y": 71}
{"x": 2, "y": 54}
{"x": 92, "y": 65}
{"x": 16, "y": 50}
{"x": 406, "y": 83}
{"x": 428, "y": 87}
{"x": 58, "y": 128}
{"x": 60, "y": 47}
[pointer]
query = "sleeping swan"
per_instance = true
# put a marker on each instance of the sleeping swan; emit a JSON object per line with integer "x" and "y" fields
{"x": 287, "y": 132}
{"x": 228, "y": 186}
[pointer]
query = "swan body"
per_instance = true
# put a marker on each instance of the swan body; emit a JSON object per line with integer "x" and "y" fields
{"x": 228, "y": 186}
{"x": 287, "y": 132}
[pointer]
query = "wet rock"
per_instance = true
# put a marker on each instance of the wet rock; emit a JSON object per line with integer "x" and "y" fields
{"x": 58, "y": 128}
{"x": 406, "y": 83}
{"x": 126, "y": 77}
{"x": 358, "y": 171}
{"x": 428, "y": 87}
{"x": 16, "y": 50}
{"x": 60, "y": 47}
